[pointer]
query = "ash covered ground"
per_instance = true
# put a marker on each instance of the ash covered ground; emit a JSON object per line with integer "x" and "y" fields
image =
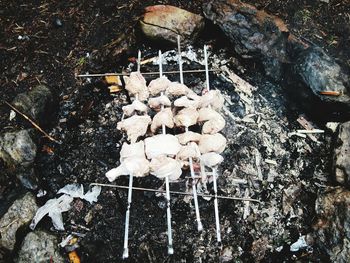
{"x": 262, "y": 161}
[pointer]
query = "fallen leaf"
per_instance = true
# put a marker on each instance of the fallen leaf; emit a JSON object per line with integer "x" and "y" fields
{"x": 73, "y": 257}
{"x": 113, "y": 80}
{"x": 114, "y": 88}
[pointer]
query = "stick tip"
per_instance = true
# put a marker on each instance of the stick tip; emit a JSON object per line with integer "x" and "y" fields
{"x": 170, "y": 250}
{"x": 125, "y": 253}
{"x": 200, "y": 226}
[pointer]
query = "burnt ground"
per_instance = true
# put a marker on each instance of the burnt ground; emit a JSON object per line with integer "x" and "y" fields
{"x": 49, "y": 42}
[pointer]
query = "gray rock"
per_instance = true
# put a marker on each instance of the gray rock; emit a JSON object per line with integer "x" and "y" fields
{"x": 321, "y": 73}
{"x": 35, "y": 103}
{"x": 342, "y": 155}
{"x": 39, "y": 247}
{"x": 332, "y": 230}
{"x": 17, "y": 148}
{"x": 252, "y": 32}
{"x": 27, "y": 177}
{"x": 165, "y": 22}
{"x": 20, "y": 213}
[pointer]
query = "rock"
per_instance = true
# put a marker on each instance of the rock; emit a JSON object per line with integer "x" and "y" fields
{"x": 252, "y": 32}
{"x": 27, "y": 177}
{"x": 332, "y": 230}
{"x": 39, "y": 247}
{"x": 36, "y": 103}
{"x": 321, "y": 73}
{"x": 17, "y": 148}
{"x": 342, "y": 154}
{"x": 257, "y": 34}
{"x": 165, "y": 22}
{"x": 18, "y": 215}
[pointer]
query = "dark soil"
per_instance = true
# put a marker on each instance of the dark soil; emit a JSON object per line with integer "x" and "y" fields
{"x": 50, "y": 42}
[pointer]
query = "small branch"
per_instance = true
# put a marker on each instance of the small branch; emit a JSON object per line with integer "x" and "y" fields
{"x": 33, "y": 123}
{"x": 175, "y": 192}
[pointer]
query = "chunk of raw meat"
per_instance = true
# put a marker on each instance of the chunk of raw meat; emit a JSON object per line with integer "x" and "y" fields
{"x": 161, "y": 144}
{"x": 136, "y": 85}
{"x": 211, "y": 159}
{"x": 189, "y": 136}
{"x": 158, "y": 85}
{"x": 212, "y": 143}
{"x": 186, "y": 117}
{"x": 135, "y": 106}
{"x": 135, "y": 126}
{"x": 163, "y": 166}
{"x": 165, "y": 117}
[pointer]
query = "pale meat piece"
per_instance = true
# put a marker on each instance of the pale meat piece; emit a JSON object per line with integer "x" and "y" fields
{"x": 212, "y": 98}
{"x": 214, "y": 122}
{"x": 163, "y": 166}
{"x": 165, "y": 116}
{"x": 157, "y": 102}
{"x": 135, "y": 166}
{"x": 135, "y": 106}
{"x": 211, "y": 159}
{"x": 136, "y": 85}
{"x": 187, "y": 151}
{"x": 189, "y": 136}
{"x": 158, "y": 85}
{"x": 212, "y": 143}
{"x": 177, "y": 89}
{"x": 193, "y": 96}
{"x": 135, "y": 126}
{"x": 132, "y": 161}
{"x": 186, "y": 102}
{"x": 161, "y": 144}
{"x": 186, "y": 117}
{"x": 132, "y": 150}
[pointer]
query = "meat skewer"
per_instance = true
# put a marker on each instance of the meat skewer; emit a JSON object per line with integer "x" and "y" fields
{"x": 127, "y": 213}
{"x": 216, "y": 206}
{"x": 194, "y": 188}
{"x": 167, "y": 186}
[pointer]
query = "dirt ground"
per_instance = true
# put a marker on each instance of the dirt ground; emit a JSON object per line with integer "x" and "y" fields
{"x": 51, "y": 41}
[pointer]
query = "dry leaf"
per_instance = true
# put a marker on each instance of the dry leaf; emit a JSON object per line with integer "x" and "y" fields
{"x": 113, "y": 80}
{"x": 73, "y": 257}
{"x": 114, "y": 88}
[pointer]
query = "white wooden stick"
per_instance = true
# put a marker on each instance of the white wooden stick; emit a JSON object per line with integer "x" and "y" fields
{"x": 139, "y": 61}
{"x": 206, "y": 67}
{"x": 167, "y": 186}
{"x": 216, "y": 206}
{"x": 127, "y": 217}
{"x": 180, "y": 60}
{"x": 195, "y": 198}
{"x": 194, "y": 188}
{"x": 127, "y": 214}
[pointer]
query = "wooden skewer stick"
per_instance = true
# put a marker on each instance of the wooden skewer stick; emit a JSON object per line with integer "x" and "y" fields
{"x": 127, "y": 213}
{"x": 167, "y": 185}
{"x": 176, "y": 192}
{"x": 206, "y": 67}
{"x": 33, "y": 123}
{"x": 216, "y": 206}
{"x": 180, "y": 59}
{"x": 127, "y": 218}
{"x": 194, "y": 188}
{"x": 145, "y": 73}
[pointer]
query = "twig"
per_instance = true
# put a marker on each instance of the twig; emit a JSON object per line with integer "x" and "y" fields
{"x": 176, "y": 192}
{"x": 33, "y": 123}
